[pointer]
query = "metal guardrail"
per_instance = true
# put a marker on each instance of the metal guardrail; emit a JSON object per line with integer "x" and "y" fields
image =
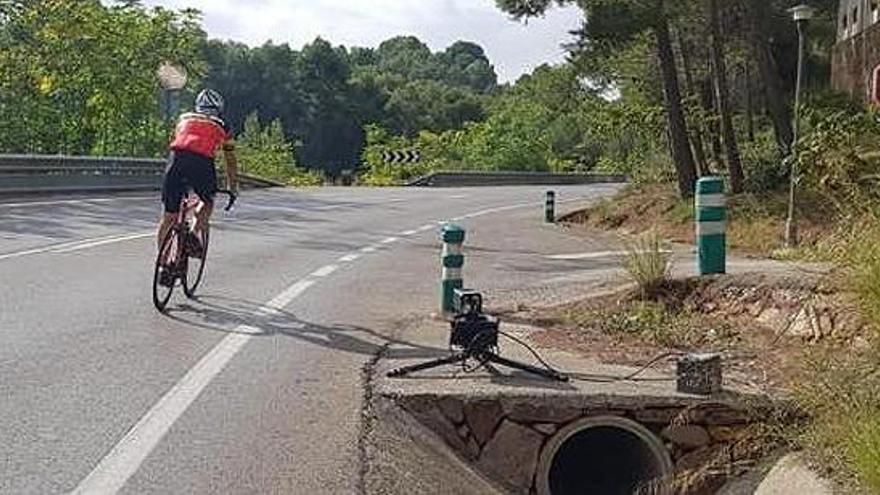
{"x": 58, "y": 173}
{"x": 474, "y": 179}
{"x": 26, "y": 174}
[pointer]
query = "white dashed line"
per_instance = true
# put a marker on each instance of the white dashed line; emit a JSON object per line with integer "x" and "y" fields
{"x": 325, "y": 271}
{"x": 389, "y": 240}
{"x": 407, "y": 233}
{"x": 348, "y": 258}
{"x": 369, "y": 249}
{"x": 286, "y": 297}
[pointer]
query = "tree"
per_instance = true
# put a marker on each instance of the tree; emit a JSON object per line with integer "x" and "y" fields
{"x": 760, "y": 16}
{"x": 333, "y": 134}
{"x": 467, "y": 65}
{"x": 612, "y": 24}
{"x": 432, "y": 106}
{"x": 326, "y": 94}
{"x": 734, "y": 164}
{"x": 79, "y": 77}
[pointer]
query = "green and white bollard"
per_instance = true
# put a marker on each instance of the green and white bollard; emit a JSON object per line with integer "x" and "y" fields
{"x": 711, "y": 217}
{"x": 453, "y": 262}
{"x": 550, "y": 208}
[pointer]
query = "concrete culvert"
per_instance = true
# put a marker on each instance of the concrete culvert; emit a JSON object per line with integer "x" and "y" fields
{"x": 603, "y": 455}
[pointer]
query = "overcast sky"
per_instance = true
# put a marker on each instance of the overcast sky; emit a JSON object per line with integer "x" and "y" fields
{"x": 513, "y": 47}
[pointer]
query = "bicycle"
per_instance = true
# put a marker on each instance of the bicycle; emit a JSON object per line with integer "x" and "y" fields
{"x": 174, "y": 263}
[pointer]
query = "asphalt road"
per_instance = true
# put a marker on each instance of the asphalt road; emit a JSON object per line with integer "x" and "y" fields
{"x": 257, "y": 386}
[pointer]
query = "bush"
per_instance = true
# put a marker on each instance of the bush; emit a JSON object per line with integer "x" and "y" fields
{"x": 764, "y": 167}
{"x": 842, "y": 397}
{"x": 648, "y": 261}
{"x": 833, "y": 162}
{"x": 264, "y": 152}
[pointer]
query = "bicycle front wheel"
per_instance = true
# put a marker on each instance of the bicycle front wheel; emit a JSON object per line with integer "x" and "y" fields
{"x": 195, "y": 266}
{"x": 164, "y": 272}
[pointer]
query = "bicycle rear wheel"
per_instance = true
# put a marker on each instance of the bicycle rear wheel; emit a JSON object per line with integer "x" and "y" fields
{"x": 195, "y": 267}
{"x": 164, "y": 272}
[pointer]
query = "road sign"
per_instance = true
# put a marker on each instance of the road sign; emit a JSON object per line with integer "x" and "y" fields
{"x": 406, "y": 156}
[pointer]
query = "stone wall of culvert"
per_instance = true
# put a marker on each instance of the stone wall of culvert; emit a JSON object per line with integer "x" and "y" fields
{"x": 505, "y": 437}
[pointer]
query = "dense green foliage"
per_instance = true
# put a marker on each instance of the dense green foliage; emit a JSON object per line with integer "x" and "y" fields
{"x": 79, "y": 78}
{"x": 549, "y": 121}
{"x": 264, "y": 151}
{"x": 325, "y": 95}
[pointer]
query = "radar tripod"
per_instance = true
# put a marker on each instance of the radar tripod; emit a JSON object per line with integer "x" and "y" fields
{"x": 475, "y": 336}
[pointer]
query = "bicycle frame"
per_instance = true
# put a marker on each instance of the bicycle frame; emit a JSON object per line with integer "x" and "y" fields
{"x": 191, "y": 202}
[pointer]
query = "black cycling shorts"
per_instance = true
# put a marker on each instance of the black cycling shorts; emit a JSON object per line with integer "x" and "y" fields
{"x": 185, "y": 171}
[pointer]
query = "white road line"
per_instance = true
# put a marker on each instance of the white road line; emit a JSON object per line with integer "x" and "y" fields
{"x": 126, "y": 457}
{"x": 282, "y": 300}
{"x": 407, "y": 233}
{"x": 389, "y": 240}
{"x": 369, "y": 249}
{"x": 65, "y": 246}
{"x": 114, "y": 470}
{"x": 92, "y": 244}
{"x": 19, "y": 254}
{"x": 73, "y": 201}
{"x": 348, "y": 258}
{"x": 425, "y": 228}
{"x": 324, "y": 271}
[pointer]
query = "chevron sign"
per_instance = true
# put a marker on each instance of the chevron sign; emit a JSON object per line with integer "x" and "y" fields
{"x": 408, "y": 156}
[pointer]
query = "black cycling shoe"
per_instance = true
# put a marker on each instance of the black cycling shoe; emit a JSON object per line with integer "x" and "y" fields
{"x": 166, "y": 278}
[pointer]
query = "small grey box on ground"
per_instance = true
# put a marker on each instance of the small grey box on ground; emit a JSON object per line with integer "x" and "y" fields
{"x": 700, "y": 374}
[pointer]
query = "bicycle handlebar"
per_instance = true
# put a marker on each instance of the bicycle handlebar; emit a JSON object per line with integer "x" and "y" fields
{"x": 232, "y": 198}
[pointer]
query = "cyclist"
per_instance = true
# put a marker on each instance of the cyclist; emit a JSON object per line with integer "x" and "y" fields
{"x": 197, "y": 138}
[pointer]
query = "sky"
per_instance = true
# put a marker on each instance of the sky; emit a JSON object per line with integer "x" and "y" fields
{"x": 515, "y": 48}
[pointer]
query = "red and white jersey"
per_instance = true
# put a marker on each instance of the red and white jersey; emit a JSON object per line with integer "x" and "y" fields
{"x": 201, "y": 134}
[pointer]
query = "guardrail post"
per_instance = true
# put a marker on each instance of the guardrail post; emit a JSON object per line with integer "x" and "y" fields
{"x": 453, "y": 262}
{"x": 550, "y": 208}
{"x": 711, "y": 216}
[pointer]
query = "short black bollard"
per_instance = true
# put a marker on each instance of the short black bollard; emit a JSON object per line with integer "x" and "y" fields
{"x": 550, "y": 208}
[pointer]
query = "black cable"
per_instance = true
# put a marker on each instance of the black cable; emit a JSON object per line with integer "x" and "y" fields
{"x": 632, "y": 377}
{"x": 530, "y": 349}
{"x": 651, "y": 363}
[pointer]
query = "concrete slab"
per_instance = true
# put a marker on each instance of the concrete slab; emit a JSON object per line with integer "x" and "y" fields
{"x": 592, "y": 382}
{"x": 792, "y": 476}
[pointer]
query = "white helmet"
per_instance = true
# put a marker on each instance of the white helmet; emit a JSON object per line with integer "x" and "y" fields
{"x": 209, "y": 102}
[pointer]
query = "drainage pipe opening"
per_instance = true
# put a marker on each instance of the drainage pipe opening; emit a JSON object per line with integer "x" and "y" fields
{"x": 603, "y": 455}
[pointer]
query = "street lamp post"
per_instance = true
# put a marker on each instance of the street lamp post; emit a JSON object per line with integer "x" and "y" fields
{"x": 172, "y": 78}
{"x": 801, "y": 15}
